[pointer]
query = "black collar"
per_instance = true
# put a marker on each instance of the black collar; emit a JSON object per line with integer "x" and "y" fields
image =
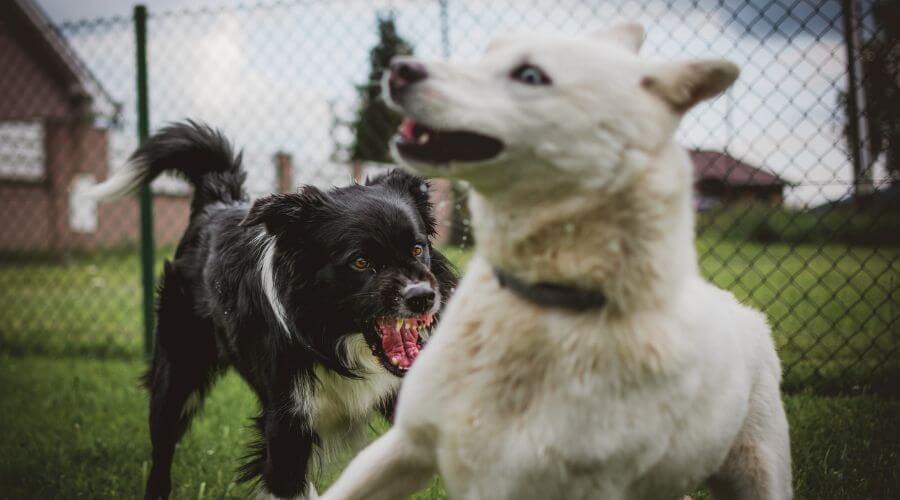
{"x": 551, "y": 294}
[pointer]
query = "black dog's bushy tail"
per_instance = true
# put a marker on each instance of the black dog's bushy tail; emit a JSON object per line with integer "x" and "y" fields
{"x": 196, "y": 152}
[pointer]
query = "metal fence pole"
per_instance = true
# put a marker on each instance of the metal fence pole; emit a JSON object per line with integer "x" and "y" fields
{"x": 146, "y": 197}
{"x": 856, "y": 98}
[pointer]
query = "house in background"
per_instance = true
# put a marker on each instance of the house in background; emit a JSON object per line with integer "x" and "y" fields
{"x": 55, "y": 126}
{"x": 55, "y": 121}
{"x": 720, "y": 179}
{"x": 54, "y": 144}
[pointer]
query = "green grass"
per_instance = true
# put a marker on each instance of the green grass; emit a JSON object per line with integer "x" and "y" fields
{"x": 73, "y": 420}
{"x": 834, "y": 308}
{"x": 73, "y": 428}
{"x": 84, "y": 306}
{"x": 836, "y": 224}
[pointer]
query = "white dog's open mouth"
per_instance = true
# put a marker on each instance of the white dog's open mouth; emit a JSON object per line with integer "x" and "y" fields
{"x": 424, "y": 144}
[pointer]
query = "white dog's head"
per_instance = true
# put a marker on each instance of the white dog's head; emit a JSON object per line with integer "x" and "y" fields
{"x": 541, "y": 107}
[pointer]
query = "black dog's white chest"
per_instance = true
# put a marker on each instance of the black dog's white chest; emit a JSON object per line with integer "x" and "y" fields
{"x": 333, "y": 403}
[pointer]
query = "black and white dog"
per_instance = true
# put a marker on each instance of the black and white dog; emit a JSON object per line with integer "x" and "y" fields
{"x": 320, "y": 300}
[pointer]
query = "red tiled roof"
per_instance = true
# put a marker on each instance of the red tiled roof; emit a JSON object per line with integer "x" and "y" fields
{"x": 716, "y": 165}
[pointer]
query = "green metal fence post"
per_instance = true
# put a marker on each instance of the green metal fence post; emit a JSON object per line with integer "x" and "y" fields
{"x": 146, "y": 198}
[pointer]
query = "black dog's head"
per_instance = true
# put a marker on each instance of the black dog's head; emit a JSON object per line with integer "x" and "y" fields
{"x": 355, "y": 260}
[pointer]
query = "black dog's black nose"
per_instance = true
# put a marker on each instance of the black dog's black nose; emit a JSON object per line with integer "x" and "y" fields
{"x": 419, "y": 298}
{"x": 405, "y": 72}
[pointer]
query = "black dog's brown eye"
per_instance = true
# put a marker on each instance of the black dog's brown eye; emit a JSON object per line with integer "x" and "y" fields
{"x": 418, "y": 250}
{"x": 530, "y": 75}
{"x": 361, "y": 263}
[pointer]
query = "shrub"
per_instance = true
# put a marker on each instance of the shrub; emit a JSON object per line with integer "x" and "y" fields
{"x": 832, "y": 224}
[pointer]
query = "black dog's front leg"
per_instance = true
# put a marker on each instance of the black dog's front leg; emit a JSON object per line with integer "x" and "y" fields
{"x": 289, "y": 447}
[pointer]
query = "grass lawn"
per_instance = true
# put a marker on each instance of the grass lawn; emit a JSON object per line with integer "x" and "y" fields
{"x": 835, "y": 309}
{"x": 73, "y": 420}
{"x": 74, "y": 427}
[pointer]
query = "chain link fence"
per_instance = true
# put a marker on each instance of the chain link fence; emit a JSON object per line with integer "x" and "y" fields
{"x": 794, "y": 217}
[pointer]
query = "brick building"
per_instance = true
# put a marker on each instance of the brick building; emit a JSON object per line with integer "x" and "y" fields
{"x": 54, "y": 144}
{"x": 55, "y": 125}
{"x": 720, "y": 179}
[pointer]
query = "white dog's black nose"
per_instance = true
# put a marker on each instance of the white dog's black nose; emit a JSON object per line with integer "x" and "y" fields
{"x": 404, "y": 73}
{"x": 419, "y": 298}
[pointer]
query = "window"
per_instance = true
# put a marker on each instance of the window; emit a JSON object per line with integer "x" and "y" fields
{"x": 22, "y": 150}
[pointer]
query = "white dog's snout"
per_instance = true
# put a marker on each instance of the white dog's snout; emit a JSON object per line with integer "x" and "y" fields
{"x": 402, "y": 74}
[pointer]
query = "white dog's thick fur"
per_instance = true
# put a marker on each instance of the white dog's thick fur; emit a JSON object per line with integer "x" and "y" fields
{"x": 672, "y": 384}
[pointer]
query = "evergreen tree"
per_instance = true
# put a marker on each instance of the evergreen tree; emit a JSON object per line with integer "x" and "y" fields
{"x": 375, "y": 123}
{"x": 881, "y": 85}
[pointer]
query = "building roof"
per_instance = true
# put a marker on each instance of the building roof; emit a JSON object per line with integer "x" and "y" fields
{"x": 720, "y": 166}
{"x": 47, "y": 43}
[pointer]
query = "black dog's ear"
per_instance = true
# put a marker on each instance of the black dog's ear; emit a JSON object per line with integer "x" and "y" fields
{"x": 281, "y": 212}
{"x": 416, "y": 187}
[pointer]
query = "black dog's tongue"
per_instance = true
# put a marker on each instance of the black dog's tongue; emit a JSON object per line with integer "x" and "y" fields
{"x": 400, "y": 338}
{"x": 400, "y": 342}
{"x": 401, "y": 346}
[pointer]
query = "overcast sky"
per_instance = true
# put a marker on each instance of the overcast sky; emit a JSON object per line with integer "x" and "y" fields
{"x": 68, "y": 10}
{"x": 274, "y": 77}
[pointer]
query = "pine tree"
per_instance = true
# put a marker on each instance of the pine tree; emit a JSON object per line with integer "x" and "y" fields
{"x": 375, "y": 123}
{"x": 881, "y": 85}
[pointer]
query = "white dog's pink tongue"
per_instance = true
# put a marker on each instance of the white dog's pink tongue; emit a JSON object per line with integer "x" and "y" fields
{"x": 406, "y": 129}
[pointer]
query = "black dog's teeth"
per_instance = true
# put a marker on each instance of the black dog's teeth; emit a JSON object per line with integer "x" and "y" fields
{"x": 423, "y": 325}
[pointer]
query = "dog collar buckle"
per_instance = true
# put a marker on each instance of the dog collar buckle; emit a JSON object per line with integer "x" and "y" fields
{"x": 552, "y": 294}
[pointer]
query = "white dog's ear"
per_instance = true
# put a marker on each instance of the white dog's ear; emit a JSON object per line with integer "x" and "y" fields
{"x": 684, "y": 84}
{"x": 628, "y": 35}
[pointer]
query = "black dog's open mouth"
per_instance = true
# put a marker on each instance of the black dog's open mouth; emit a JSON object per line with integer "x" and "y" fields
{"x": 424, "y": 144}
{"x": 400, "y": 340}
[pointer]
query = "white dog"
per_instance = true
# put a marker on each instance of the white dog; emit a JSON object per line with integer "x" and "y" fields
{"x": 582, "y": 356}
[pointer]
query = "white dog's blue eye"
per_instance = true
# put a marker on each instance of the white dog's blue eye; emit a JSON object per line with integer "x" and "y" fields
{"x": 530, "y": 75}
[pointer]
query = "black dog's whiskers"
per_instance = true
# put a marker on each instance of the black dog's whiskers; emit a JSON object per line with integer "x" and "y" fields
{"x": 257, "y": 287}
